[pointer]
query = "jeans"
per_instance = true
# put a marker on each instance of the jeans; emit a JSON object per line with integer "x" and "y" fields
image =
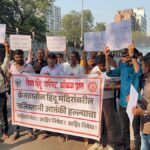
{"x": 3, "y": 113}
{"x": 145, "y": 141}
{"x": 125, "y": 126}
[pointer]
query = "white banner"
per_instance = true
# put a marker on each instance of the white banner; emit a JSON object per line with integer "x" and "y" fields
{"x": 94, "y": 41}
{"x": 69, "y": 105}
{"x": 56, "y": 43}
{"x": 20, "y": 42}
{"x": 2, "y": 32}
{"x": 118, "y": 35}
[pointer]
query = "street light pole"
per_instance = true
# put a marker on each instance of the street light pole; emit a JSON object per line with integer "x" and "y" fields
{"x": 81, "y": 38}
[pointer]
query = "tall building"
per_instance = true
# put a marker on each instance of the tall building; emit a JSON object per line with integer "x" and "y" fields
{"x": 137, "y": 16}
{"x": 54, "y": 19}
{"x": 141, "y": 17}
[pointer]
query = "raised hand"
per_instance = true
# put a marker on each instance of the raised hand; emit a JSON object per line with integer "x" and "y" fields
{"x": 131, "y": 48}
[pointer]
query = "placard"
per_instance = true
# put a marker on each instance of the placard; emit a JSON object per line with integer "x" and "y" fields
{"x": 94, "y": 41}
{"x": 2, "y": 32}
{"x": 22, "y": 42}
{"x": 56, "y": 43}
{"x": 118, "y": 35}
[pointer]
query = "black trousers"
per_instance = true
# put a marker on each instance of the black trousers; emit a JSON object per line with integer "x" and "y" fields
{"x": 125, "y": 126}
{"x": 110, "y": 125}
{"x": 3, "y": 113}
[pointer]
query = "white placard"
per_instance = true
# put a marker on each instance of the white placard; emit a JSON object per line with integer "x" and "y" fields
{"x": 132, "y": 103}
{"x": 94, "y": 41}
{"x": 56, "y": 43}
{"x": 2, "y": 32}
{"x": 118, "y": 35}
{"x": 22, "y": 42}
{"x": 68, "y": 105}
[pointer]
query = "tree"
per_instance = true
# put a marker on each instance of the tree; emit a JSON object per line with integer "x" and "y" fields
{"x": 136, "y": 35}
{"x": 25, "y": 14}
{"x": 100, "y": 26}
{"x": 71, "y": 24}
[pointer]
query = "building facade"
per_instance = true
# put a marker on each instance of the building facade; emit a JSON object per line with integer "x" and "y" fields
{"x": 54, "y": 19}
{"x": 141, "y": 17}
{"x": 137, "y": 16}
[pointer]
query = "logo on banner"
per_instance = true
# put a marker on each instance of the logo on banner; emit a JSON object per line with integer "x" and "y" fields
{"x": 92, "y": 86}
{"x": 18, "y": 82}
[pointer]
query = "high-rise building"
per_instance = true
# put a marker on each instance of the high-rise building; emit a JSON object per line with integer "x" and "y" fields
{"x": 137, "y": 16}
{"x": 141, "y": 17}
{"x": 54, "y": 19}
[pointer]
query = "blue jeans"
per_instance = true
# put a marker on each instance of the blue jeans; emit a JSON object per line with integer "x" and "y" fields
{"x": 145, "y": 141}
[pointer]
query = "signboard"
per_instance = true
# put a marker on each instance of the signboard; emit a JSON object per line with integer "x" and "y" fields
{"x": 22, "y": 42}
{"x": 56, "y": 43}
{"x": 94, "y": 41}
{"x": 68, "y": 105}
{"x": 118, "y": 35}
{"x": 2, "y": 32}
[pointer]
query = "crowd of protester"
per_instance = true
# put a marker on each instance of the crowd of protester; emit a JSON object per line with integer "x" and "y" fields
{"x": 133, "y": 68}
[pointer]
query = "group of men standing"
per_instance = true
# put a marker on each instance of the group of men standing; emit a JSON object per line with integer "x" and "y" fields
{"x": 129, "y": 71}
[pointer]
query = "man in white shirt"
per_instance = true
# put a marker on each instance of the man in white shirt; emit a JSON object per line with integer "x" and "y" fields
{"x": 109, "y": 125}
{"x": 73, "y": 67}
{"x": 19, "y": 66}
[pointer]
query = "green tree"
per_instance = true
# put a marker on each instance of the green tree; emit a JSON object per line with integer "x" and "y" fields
{"x": 25, "y": 14}
{"x": 71, "y": 24}
{"x": 100, "y": 26}
{"x": 136, "y": 35}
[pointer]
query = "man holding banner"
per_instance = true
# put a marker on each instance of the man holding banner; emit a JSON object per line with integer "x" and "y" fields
{"x": 73, "y": 67}
{"x": 19, "y": 67}
{"x": 110, "y": 133}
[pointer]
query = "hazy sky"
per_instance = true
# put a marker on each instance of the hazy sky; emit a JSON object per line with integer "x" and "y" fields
{"x": 104, "y": 10}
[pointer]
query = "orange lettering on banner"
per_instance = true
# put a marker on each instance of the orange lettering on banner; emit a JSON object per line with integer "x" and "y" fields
{"x": 38, "y": 83}
{"x": 50, "y": 83}
{"x": 67, "y": 85}
{"x": 79, "y": 85}
{"x": 29, "y": 82}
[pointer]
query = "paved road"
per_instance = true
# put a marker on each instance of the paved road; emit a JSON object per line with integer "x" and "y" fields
{"x": 51, "y": 143}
